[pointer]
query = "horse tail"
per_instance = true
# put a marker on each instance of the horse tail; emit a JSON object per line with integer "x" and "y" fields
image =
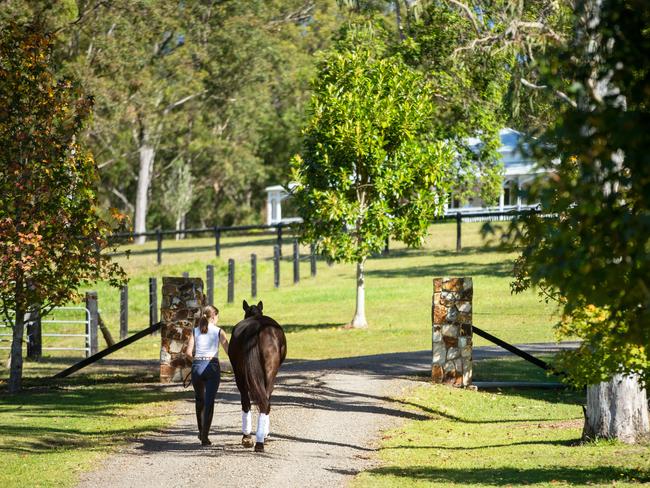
{"x": 255, "y": 375}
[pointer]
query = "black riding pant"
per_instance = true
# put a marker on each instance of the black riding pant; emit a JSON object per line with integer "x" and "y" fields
{"x": 206, "y": 376}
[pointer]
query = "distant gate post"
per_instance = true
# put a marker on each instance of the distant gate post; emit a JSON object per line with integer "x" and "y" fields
{"x": 312, "y": 259}
{"x": 34, "y": 337}
{"x": 296, "y": 261}
{"x": 124, "y": 312}
{"x": 182, "y": 299}
{"x": 93, "y": 324}
{"x": 452, "y": 331}
{"x": 209, "y": 278}
{"x": 231, "y": 280}
{"x": 276, "y": 266}
{"x": 253, "y": 276}
{"x": 279, "y": 239}
{"x": 153, "y": 302}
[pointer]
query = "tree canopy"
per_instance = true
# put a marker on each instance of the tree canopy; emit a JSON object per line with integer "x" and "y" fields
{"x": 51, "y": 235}
{"x": 590, "y": 251}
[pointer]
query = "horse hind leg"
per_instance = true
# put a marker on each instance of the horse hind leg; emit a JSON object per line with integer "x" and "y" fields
{"x": 271, "y": 363}
{"x": 246, "y": 422}
{"x": 246, "y": 417}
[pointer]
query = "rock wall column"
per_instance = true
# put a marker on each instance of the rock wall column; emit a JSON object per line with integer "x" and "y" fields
{"x": 182, "y": 299}
{"x": 452, "y": 331}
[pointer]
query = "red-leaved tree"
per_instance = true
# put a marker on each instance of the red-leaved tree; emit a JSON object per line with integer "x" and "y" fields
{"x": 51, "y": 235}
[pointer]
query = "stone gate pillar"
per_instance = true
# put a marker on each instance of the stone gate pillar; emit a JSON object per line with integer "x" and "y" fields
{"x": 452, "y": 331}
{"x": 182, "y": 299}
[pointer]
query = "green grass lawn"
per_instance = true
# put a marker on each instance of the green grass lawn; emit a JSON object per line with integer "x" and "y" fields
{"x": 502, "y": 438}
{"x": 49, "y": 434}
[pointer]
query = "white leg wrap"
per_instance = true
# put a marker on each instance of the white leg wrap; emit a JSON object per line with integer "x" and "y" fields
{"x": 246, "y": 422}
{"x": 268, "y": 426}
{"x": 262, "y": 427}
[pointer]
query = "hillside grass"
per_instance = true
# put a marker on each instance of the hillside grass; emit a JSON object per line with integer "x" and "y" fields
{"x": 49, "y": 433}
{"x": 314, "y": 311}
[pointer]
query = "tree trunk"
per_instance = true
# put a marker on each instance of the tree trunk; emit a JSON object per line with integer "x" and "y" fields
{"x": 16, "y": 368}
{"x": 147, "y": 154}
{"x": 617, "y": 409}
{"x": 398, "y": 19}
{"x": 359, "y": 320}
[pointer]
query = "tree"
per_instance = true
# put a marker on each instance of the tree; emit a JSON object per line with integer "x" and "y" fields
{"x": 222, "y": 83}
{"x": 177, "y": 194}
{"x": 592, "y": 258}
{"x": 134, "y": 57}
{"x": 50, "y": 234}
{"x": 372, "y": 166}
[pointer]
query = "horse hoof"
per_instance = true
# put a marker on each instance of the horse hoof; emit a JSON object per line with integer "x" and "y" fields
{"x": 247, "y": 440}
{"x": 259, "y": 447}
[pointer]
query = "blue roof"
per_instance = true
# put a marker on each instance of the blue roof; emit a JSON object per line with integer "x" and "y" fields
{"x": 509, "y": 139}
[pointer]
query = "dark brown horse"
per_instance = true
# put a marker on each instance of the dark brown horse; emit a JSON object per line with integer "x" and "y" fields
{"x": 257, "y": 349}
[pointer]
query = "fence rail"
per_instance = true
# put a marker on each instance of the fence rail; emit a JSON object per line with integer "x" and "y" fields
{"x": 459, "y": 216}
{"x": 34, "y": 332}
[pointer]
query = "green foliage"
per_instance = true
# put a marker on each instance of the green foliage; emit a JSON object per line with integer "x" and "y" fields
{"x": 245, "y": 67}
{"x": 368, "y": 170}
{"x": 469, "y": 94}
{"x": 593, "y": 258}
{"x": 50, "y": 234}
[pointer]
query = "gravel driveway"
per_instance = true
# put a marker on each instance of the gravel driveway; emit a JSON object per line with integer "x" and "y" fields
{"x": 326, "y": 419}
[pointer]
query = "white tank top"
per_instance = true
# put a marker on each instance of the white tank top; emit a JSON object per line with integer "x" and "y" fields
{"x": 206, "y": 345}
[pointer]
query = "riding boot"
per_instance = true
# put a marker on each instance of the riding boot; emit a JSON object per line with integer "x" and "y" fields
{"x": 199, "y": 418}
{"x": 207, "y": 422}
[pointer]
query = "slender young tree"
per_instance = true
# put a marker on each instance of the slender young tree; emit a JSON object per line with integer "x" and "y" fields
{"x": 51, "y": 236}
{"x": 373, "y": 165}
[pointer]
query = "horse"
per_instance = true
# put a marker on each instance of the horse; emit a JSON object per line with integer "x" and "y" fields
{"x": 257, "y": 348}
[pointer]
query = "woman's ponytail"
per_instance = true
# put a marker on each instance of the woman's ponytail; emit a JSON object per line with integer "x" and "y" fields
{"x": 208, "y": 312}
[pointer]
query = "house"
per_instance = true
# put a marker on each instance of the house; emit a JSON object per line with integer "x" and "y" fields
{"x": 275, "y": 195}
{"x": 519, "y": 172}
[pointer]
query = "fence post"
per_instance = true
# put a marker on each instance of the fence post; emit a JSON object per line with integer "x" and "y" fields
{"x": 459, "y": 220}
{"x": 296, "y": 261}
{"x": 93, "y": 325}
{"x": 153, "y": 301}
{"x": 34, "y": 337}
{"x": 159, "y": 246}
{"x": 186, "y": 274}
{"x": 279, "y": 244}
{"x": 253, "y": 275}
{"x": 209, "y": 278}
{"x": 124, "y": 312}
{"x": 276, "y": 266}
{"x": 217, "y": 241}
{"x": 312, "y": 259}
{"x": 231, "y": 280}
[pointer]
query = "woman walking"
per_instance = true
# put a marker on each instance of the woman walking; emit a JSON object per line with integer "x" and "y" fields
{"x": 203, "y": 350}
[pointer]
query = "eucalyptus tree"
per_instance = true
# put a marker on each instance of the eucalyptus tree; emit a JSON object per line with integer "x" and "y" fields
{"x": 137, "y": 60}
{"x": 375, "y": 163}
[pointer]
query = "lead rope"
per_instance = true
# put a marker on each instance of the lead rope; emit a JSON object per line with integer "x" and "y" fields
{"x": 187, "y": 380}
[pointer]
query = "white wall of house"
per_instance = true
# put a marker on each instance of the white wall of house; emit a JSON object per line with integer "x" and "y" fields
{"x": 519, "y": 173}
{"x": 275, "y": 195}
